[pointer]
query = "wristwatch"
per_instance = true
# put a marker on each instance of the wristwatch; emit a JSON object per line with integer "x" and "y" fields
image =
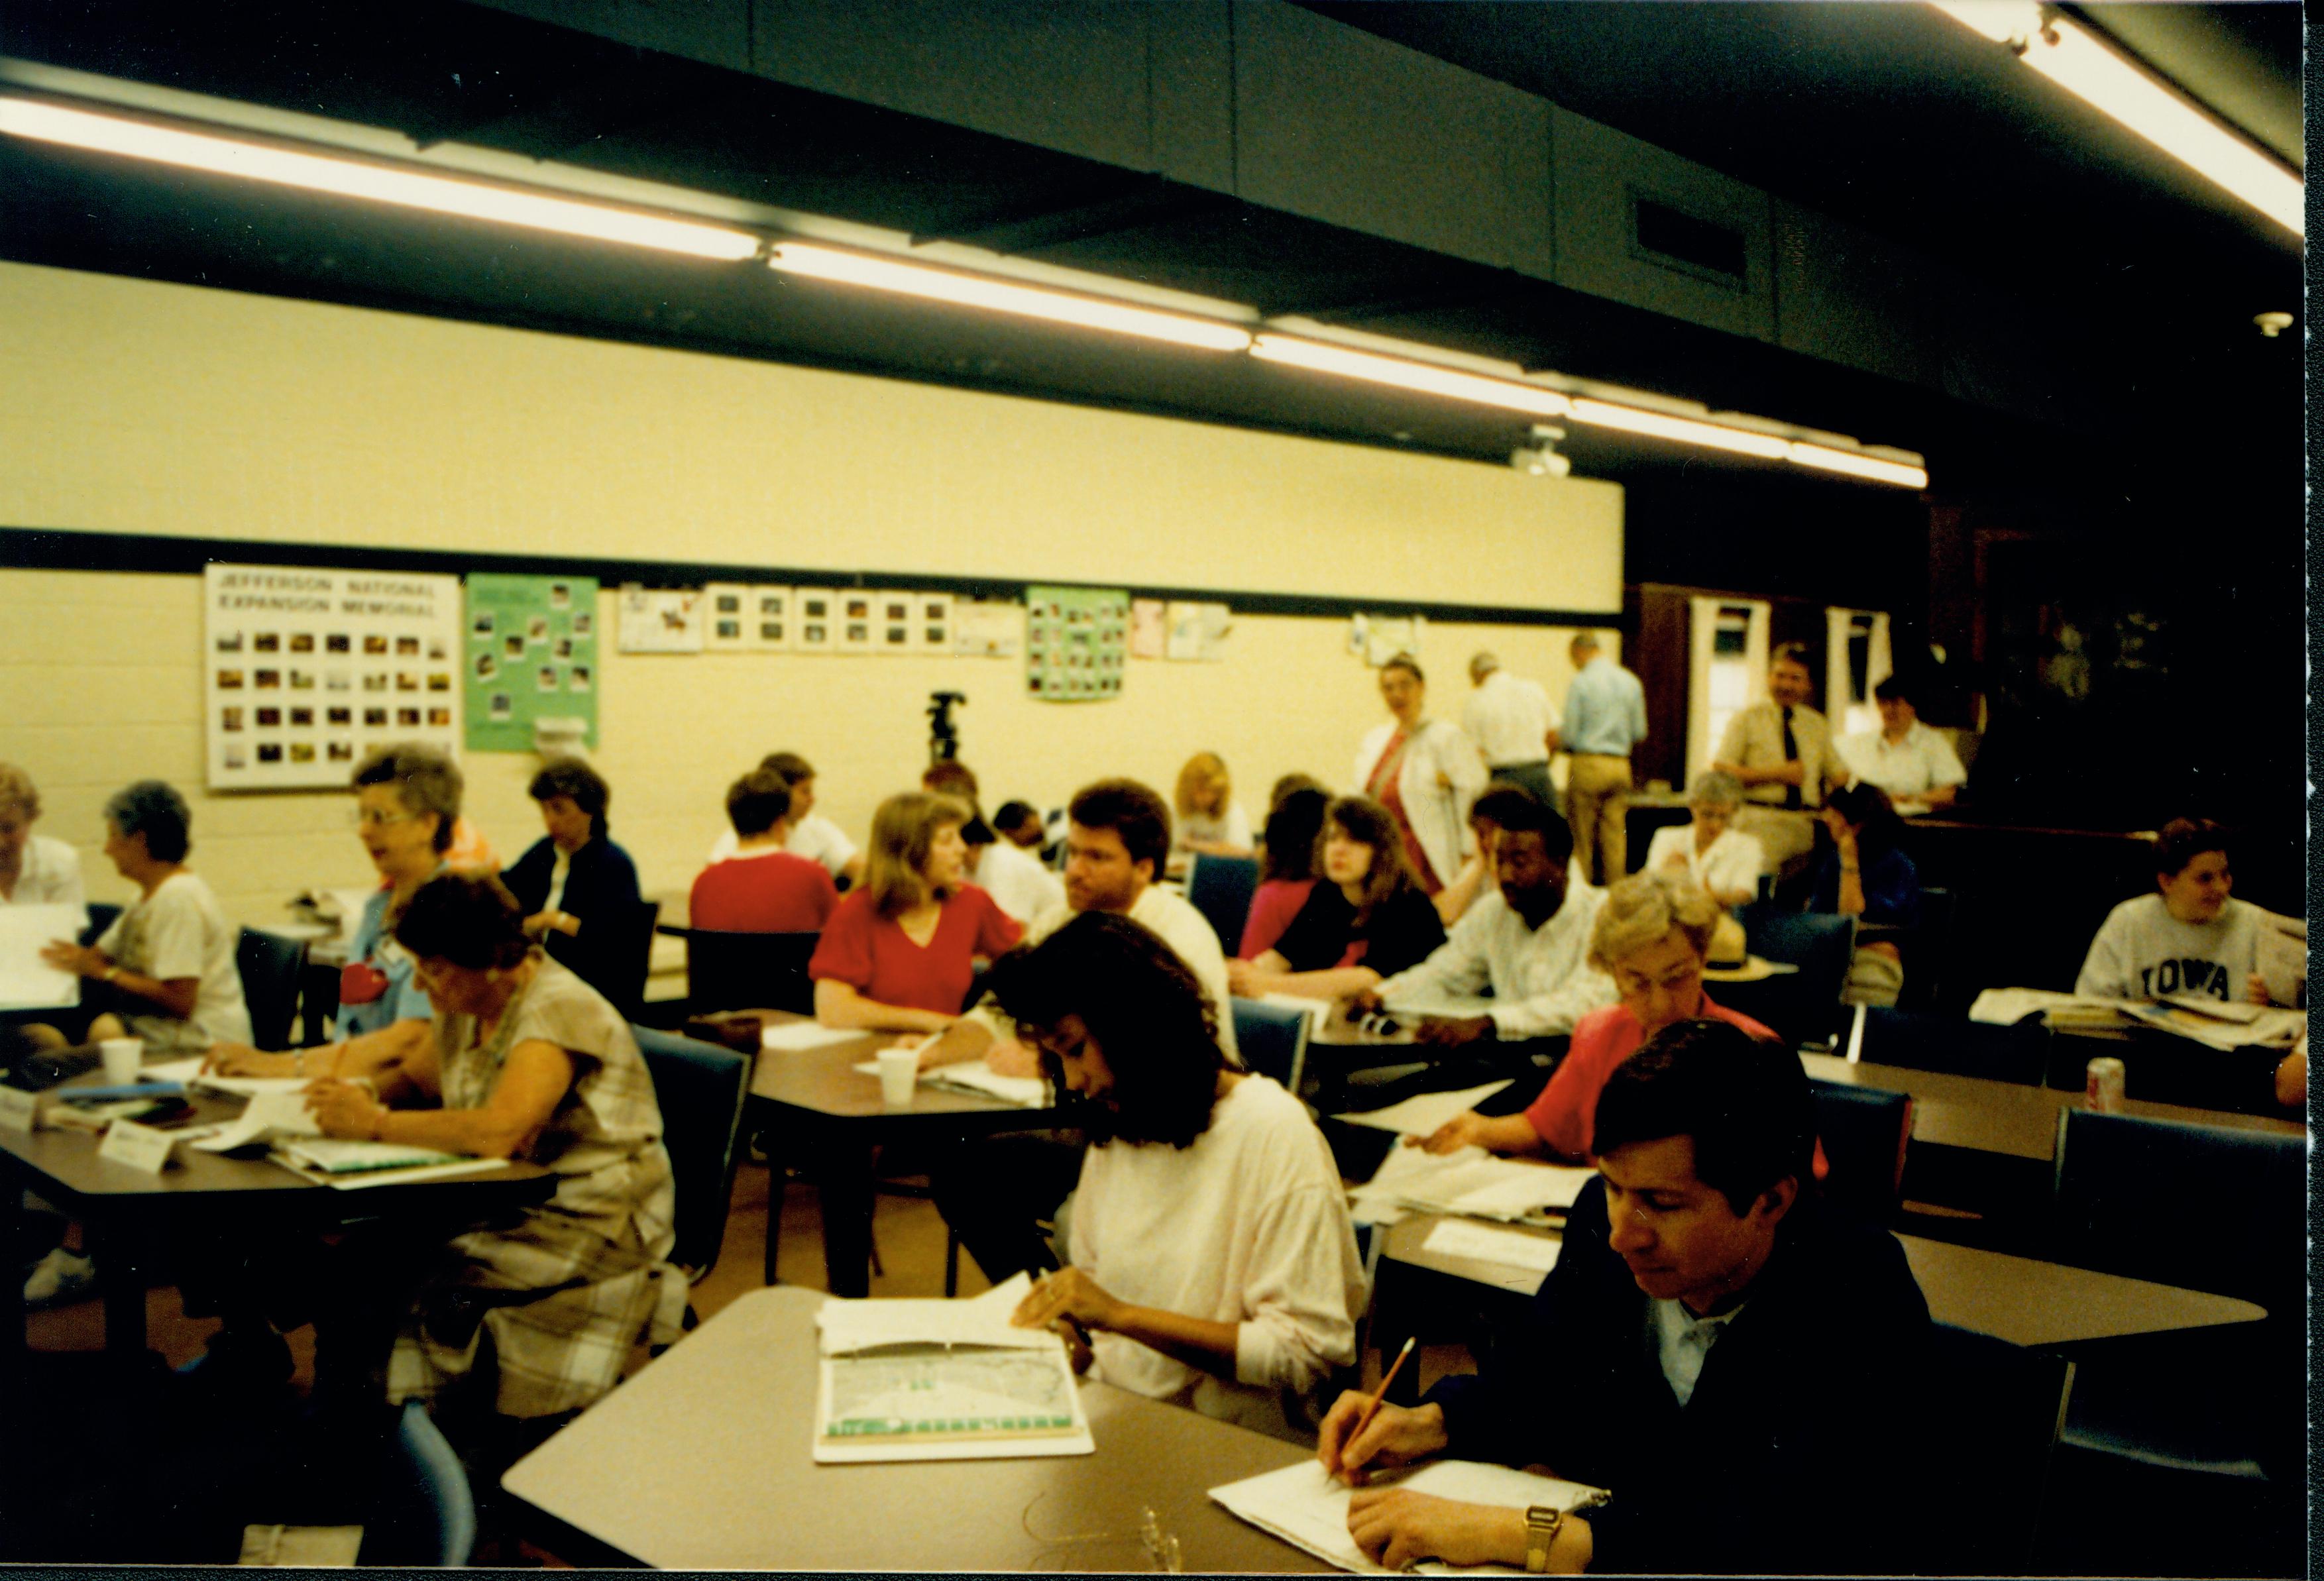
{"x": 1542, "y": 1521}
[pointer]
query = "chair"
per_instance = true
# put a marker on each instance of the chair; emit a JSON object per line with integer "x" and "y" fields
{"x": 1995, "y": 1410}
{"x": 1864, "y": 1134}
{"x": 1220, "y": 888}
{"x": 2206, "y": 1207}
{"x": 1928, "y": 953}
{"x": 101, "y": 916}
{"x": 2019, "y": 1053}
{"x": 425, "y": 1512}
{"x": 749, "y": 971}
{"x": 1804, "y": 1005}
{"x": 621, "y": 954}
{"x": 270, "y": 965}
{"x": 1273, "y": 1039}
{"x": 701, "y": 1088}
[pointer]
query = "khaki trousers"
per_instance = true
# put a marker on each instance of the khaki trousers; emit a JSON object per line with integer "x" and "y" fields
{"x": 1597, "y": 798}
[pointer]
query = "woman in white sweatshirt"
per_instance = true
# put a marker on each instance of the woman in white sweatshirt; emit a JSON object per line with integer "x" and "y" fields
{"x": 1211, "y": 1259}
{"x": 2191, "y": 936}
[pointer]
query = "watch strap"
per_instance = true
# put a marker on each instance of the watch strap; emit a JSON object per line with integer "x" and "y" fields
{"x": 1542, "y": 1521}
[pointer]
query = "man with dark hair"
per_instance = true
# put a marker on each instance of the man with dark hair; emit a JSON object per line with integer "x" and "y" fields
{"x": 1116, "y": 838}
{"x": 1713, "y": 1344}
{"x": 1017, "y": 823}
{"x": 1528, "y": 942}
{"x": 763, "y": 888}
{"x": 1016, "y": 881}
{"x": 812, "y": 835}
{"x": 1212, "y": 1260}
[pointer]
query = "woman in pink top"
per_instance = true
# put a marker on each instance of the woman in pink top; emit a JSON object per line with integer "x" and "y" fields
{"x": 1287, "y": 868}
{"x": 1653, "y": 937}
{"x": 899, "y": 952}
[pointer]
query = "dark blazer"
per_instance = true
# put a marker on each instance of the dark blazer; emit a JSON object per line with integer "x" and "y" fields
{"x": 1800, "y": 1449}
{"x": 603, "y": 884}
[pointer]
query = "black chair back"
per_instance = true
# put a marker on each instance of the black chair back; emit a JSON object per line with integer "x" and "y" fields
{"x": 270, "y": 965}
{"x": 1220, "y": 888}
{"x": 1928, "y": 952}
{"x": 700, "y": 1089}
{"x": 101, "y": 916}
{"x": 1273, "y": 1041}
{"x": 1864, "y": 1135}
{"x": 1804, "y": 1005}
{"x": 1994, "y": 1411}
{"x": 2019, "y": 1053}
{"x": 749, "y": 971}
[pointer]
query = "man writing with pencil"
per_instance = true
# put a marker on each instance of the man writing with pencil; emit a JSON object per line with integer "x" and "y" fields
{"x": 1726, "y": 1357}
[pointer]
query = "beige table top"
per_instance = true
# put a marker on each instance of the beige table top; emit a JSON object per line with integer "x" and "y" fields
{"x": 825, "y": 1080}
{"x": 703, "y": 1461}
{"x": 2022, "y": 1299}
{"x": 2004, "y": 1117}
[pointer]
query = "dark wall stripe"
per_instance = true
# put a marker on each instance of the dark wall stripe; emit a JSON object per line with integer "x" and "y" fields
{"x": 37, "y": 548}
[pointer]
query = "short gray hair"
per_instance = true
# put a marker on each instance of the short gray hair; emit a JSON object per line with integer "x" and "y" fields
{"x": 1585, "y": 638}
{"x": 426, "y": 780}
{"x": 1482, "y": 663}
{"x": 1643, "y": 908}
{"x": 17, "y": 793}
{"x": 1712, "y": 788}
{"x": 156, "y": 811}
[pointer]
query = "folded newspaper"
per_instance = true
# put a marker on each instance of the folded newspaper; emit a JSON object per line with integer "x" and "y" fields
{"x": 1304, "y": 1507}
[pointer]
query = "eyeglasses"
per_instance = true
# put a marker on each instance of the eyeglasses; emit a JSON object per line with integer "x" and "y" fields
{"x": 372, "y": 818}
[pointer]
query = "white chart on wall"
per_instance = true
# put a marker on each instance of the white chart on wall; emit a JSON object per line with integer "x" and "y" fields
{"x": 305, "y": 671}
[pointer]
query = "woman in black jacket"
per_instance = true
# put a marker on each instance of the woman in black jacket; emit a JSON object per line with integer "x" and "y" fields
{"x": 578, "y": 890}
{"x": 1366, "y": 920}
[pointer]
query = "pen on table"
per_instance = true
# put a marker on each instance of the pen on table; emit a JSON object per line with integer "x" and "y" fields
{"x": 1373, "y": 1409}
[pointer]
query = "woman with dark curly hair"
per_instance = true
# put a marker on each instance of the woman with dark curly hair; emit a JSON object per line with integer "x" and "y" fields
{"x": 1211, "y": 1261}
{"x": 1864, "y": 875}
{"x": 1366, "y": 921}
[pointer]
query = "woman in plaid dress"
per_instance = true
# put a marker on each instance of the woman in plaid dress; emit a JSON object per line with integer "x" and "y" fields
{"x": 527, "y": 1062}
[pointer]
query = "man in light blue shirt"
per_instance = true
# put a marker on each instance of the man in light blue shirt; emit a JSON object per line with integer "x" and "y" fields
{"x": 1605, "y": 717}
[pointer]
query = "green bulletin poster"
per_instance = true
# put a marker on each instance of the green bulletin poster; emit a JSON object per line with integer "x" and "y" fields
{"x": 1075, "y": 640}
{"x": 531, "y": 654}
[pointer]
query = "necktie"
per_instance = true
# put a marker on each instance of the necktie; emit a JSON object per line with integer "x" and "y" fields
{"x": 1791, "y": 755}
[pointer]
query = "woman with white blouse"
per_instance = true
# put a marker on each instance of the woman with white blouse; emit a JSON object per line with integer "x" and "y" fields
{"x": 1722, "y": 861}
{"x": 1425, "y": 772}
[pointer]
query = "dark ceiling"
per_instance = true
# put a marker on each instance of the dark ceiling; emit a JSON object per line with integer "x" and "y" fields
{"x": 1878, "y": 114}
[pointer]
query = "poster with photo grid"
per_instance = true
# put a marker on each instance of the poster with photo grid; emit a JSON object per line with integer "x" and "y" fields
{"x": 531, "y": 654}
{"x": 305, "y": 671}
{"x": 1075, "y": 640}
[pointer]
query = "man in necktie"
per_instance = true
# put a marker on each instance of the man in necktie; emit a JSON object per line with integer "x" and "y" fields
{"x": 1782, "y": 751}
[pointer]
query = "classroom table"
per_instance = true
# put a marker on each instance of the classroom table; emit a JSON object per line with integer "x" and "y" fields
{"x": 2022, "y": 1299}
{"x": 129, "y": 1215}
{"x": 830, "y": 1116}
{"x": 703, "y": 1461}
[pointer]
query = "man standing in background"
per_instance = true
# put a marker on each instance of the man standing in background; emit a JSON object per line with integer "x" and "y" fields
{"x": 1605, "y": 717}
{"x": 1510, "y": 719}
{"x": 1782, "y": 751}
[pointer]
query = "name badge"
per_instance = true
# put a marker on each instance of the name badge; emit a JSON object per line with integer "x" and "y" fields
{"x": 142, "y": 1148}
{"x": 19, "y": 1111}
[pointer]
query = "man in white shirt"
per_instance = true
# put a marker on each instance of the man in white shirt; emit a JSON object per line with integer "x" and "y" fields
{"x": 1915, "y": 765}
{"x": 1510, "y": 719}
{"x": 813, "y": 835}
{"x": 994, "y": 1191}
{"x": 1530, "y": 942}
{"x": 34, "y": 871}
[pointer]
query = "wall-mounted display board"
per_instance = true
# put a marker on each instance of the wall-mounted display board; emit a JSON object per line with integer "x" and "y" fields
{"x": 531, "y": 654}
{"x": 307, "y": 670}
{"x": 661, "y": 620}
{"x": 1076, "y": 641}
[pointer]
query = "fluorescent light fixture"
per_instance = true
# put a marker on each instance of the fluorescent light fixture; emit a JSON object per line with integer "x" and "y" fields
{"x": 351, "y": 177}
{"x": 1655, "y": 425}
{"x": 2078, "y": 61}
{"x": 1427, "y": 378}
{"x": 1871, "y": 467}
{"x": 1000, "y": 296}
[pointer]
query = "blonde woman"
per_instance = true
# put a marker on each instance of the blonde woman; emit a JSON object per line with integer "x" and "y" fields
{"x": 1210, "y": 822}
{"x": 899, "y": 952}
{"x": 34, "y": 871}
{"x": 1652, "y": 937}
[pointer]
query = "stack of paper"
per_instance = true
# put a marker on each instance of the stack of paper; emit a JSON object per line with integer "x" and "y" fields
{"x": 349, "y": 1164}
{"x": 1471, "y": 1184}
{"x": 1511, "y": 1248}
{"x": 269, "y": 1116}
{"x": 803, "y": 1034}
{"x": 1424, "y": 1115}
{"x": 26, "y": 981}
{"x": 939, "y": 1380}
{"x": 1306, "y": 1509}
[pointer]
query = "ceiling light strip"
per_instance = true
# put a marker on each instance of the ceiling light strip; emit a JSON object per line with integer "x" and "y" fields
{"x": 350, "y": 176}
{"x": 1404, "y": 374}
{"x": 998, "y": 296}
{"x": 2083, "y": 63}
{"x": 1630, "y": 419}
{"x": 1872, "y": 468}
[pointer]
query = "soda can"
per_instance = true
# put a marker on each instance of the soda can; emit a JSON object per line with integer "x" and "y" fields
{"x": 2102, "y": 1085}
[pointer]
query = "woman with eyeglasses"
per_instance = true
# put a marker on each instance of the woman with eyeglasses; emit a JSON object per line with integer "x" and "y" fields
{"x": 407, "y": 804}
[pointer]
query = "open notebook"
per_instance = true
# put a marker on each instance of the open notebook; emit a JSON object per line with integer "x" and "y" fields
{"x": 944, "y": 1379}
{"x": 1470, "y": 1183}
{"x": 1306, "y": 1508}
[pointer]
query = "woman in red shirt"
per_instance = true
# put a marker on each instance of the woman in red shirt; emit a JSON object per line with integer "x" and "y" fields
{"x": 1653, "y": 938}
{"x": 899, "y": 952}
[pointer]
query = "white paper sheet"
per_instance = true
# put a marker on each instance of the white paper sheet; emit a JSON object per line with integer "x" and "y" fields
{"x": 269, "y": 1113}
{"x": 976, "y": 1078}
{"x": 26, "y": 981}
{"x": 1422, "y": 1116}
{"x": 804, "y": 1035}
{"x": 188, "y": 1071}
{"x": 1473, "y": 1184}
{"x": 1458, "y": 1237}
{"x": 1306, "y": 1508}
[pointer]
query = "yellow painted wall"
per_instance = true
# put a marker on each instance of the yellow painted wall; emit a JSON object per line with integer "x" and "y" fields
{"x": 130, "y": 406}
